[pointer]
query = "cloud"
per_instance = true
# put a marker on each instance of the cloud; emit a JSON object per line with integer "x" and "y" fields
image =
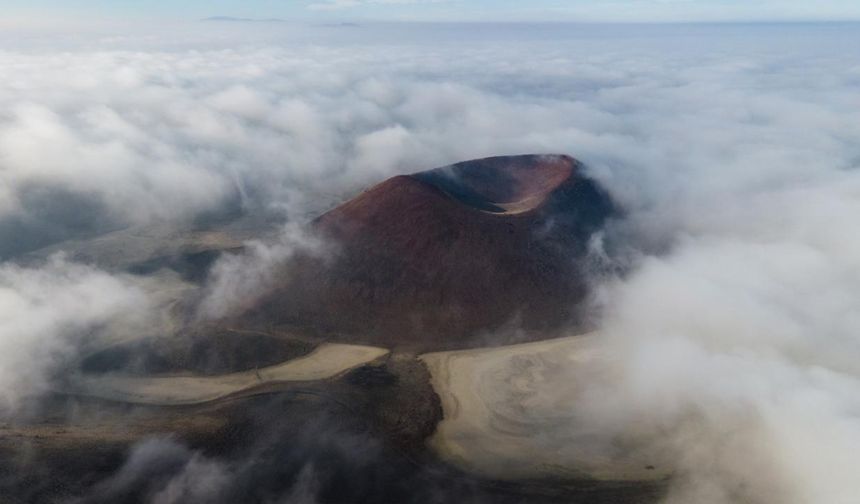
{"x": 738, "y": 359}
{"x": 169, "y": 135}
{"x": 237, "y": 280}
{"x": 47, "y": 313}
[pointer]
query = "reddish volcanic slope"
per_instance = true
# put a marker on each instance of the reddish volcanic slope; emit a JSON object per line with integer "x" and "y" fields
{"x": 433, "y": 258}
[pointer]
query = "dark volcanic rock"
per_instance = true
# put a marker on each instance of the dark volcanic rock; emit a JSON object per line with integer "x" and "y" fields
{"x": 202, "y": 349}
{"x": 431, "y": 259}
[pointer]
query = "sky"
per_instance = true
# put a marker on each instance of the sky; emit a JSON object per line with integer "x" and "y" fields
{"x": 449, "y": 10}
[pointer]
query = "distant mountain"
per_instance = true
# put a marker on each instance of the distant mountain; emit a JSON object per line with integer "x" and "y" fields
{"x": 341, "y": 25}
{"x": 243, "y": 20}
{"x": 431, "y": 259}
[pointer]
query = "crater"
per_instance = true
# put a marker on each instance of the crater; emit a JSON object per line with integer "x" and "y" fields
{"x": 504, "y": 184}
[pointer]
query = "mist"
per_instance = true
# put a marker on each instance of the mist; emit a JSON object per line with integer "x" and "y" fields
{"x": 733, "y": 320}
{"x": 50, "y": 312}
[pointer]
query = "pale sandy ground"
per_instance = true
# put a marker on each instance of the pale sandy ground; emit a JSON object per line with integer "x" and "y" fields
{"x": 511, "y": 413}
{"x": 326, "y": 361}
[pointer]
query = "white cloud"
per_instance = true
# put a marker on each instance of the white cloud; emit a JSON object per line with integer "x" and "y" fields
{"x": 739, "y": 358}
{"x": 46, "y": 314}
{"x": 236, "y": 281}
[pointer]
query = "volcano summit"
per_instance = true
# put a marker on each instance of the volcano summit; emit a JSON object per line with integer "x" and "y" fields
{"x": 434, "y": 258}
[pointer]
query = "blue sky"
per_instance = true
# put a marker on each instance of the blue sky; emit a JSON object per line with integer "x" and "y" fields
{"x": 453, "y": 10}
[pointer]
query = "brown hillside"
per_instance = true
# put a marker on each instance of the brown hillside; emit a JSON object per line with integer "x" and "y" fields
{"x": 431, "y": 259}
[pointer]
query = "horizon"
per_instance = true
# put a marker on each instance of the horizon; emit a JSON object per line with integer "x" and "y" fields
{"x": 222, "y": 30}
{"x": 444, "y": 11}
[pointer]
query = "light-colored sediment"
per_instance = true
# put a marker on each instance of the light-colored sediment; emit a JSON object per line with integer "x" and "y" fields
{"x": 326, "y": 361}
{"x": 511, "y": 413}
